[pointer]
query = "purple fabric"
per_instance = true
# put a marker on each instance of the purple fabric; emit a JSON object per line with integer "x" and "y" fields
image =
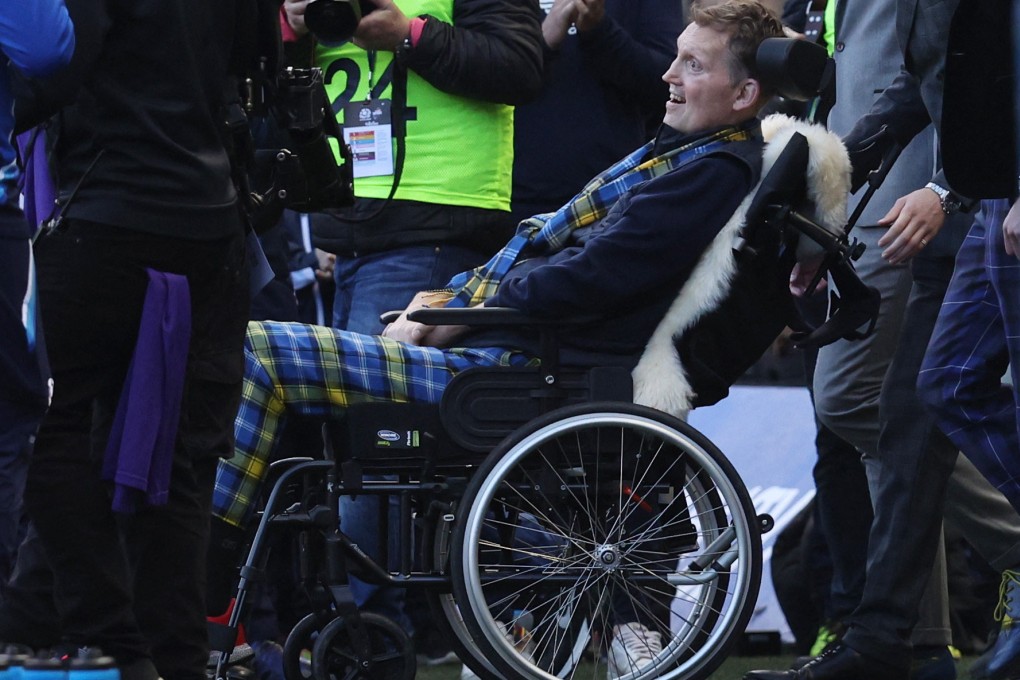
{"x": 139, "y": 453}
{"x": 38, "y": 186}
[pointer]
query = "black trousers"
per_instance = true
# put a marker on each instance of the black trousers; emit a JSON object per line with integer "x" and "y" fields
{"x": 23, "y": 378}
{"x": 131, "y": 585}
{"x": 908, "y": 481}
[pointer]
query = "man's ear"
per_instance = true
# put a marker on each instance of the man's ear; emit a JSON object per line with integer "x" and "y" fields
{"x": 748, "y": 95}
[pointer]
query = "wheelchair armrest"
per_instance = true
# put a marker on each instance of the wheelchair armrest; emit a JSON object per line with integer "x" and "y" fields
{"x": 489, "y": 316}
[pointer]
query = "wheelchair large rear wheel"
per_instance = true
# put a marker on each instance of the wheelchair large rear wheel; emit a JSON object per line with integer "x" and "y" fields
{"x": 446, "y": 614}
{"x": 606, "y": 540}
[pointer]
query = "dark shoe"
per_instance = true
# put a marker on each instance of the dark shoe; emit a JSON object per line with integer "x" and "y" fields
{"x": 1002, "y": 659}
{"x": 837, "y": 663}
{"x": 933, "y": 663}
{"x": 241, "y": 654}
{"x": 139, "y": 669}
{"x": 268, "y": 660}
{"x": 830, "y": 634}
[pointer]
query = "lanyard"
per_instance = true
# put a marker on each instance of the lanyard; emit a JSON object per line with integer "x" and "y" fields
{"x": 371, "y": 73}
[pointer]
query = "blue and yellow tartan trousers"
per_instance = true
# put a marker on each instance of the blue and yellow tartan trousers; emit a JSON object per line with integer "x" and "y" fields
{"x": 316, "y": 372}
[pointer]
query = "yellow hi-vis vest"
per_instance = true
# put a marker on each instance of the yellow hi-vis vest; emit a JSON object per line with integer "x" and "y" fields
{"x": 459, "y": 151}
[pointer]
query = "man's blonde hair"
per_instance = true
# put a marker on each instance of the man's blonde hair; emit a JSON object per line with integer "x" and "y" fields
{"x": 748, "y": 23}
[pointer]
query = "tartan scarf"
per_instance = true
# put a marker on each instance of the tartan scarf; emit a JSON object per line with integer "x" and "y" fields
{"x": 547, "y": 233}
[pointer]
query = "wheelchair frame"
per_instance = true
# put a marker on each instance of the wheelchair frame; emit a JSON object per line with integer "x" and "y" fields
{"x": 529, "y": 553}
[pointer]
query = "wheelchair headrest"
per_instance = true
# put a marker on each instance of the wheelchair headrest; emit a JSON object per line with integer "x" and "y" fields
{"x": 797, "y": 69}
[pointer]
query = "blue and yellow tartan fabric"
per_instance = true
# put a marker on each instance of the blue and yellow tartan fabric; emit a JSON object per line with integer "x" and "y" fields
{"x": 317, "y": 372}
{"x": 548, "y": 233}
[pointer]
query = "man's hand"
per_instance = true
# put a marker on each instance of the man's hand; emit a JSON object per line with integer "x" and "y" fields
{"x": 590, "y": 14}
{"x": 557, "y": 22}
{"x": 295, "y": 11}
{"x": 1011, "y": 230}
{"x": 914, "y": 220}
{"x": 423, "y": 335}
{"x": 327, "y": 261}
{"x": 383, "y": 29}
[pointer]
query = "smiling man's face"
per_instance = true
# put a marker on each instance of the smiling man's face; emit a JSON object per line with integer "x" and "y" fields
{"x": 702, "y": 93}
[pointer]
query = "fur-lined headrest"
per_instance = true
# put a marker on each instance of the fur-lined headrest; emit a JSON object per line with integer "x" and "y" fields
{"x": 828, "y": 172}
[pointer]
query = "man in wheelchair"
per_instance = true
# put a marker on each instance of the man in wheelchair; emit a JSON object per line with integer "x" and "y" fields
{"x": 618, "y": 253}
{"x": 636, "y": 254}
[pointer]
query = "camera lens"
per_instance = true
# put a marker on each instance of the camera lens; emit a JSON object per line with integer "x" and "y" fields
{"x": 333, "y": 21}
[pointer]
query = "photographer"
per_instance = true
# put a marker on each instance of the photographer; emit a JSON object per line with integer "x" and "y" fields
{"x": 145, "y": 195}
{"x": 436, "y": 202}
{"x": 463, "y": 64}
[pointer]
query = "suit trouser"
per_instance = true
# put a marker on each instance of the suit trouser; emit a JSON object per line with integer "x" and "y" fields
{"x": 893, "y": 432}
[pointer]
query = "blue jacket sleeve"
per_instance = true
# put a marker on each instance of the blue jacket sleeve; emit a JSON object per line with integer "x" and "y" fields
{"x": 36, "y": 35}
{"x": 633, "y": 61}
{"x": 652, "y": 245}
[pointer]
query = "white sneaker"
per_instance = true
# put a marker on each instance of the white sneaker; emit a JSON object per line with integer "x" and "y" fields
{"x": 633, "y": 647}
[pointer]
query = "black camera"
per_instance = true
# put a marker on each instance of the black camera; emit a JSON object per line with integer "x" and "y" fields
{"x": 303, "y": 110}
{"x": 294, "y": 165}
{"x": 335, "y": 21}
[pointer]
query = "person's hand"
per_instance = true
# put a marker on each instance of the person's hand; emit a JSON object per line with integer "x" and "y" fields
{"x": 383, "y": 29}
{"x": 420, "y": 334}
{"x": 1011, "y": 230}
{"x": 324, "y": 271}
{"x": 913, "y": 221}
{"x": 557, "y": 22}
{"x": 295, "y": 11}
{"x": 790, "y": 33}
{"x": 803, "y": 273}
{"x": 590, "y": 14}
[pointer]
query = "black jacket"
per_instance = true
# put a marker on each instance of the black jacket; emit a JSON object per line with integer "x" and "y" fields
{"x": 602, "y": 89}
{"x": 139, "y": 137}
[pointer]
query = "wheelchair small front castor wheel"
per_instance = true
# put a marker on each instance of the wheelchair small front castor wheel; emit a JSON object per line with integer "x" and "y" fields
{"x": 365, "y": 646}
{"x": 299, "y": 644}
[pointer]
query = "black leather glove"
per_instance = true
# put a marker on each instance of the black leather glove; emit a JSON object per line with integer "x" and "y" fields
{"x": 865, "y": 155}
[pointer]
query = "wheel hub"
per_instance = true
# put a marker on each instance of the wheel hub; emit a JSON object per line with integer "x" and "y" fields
{"x": 607, "y": 556}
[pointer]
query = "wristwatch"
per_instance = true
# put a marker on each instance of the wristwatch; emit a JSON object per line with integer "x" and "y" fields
{"x": 402, "y": 50}
{"x": 950, "y": 203}
{"x": 411, "y": 40}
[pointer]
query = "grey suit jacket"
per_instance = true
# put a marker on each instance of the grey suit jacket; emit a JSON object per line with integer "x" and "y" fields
{"x": 970, "y": 86}
{"x": 869, "y": 54}
{"x": 913, "y": 103}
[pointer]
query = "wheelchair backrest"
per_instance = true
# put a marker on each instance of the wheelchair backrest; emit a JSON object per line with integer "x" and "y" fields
{"x": 737, "y": 300}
